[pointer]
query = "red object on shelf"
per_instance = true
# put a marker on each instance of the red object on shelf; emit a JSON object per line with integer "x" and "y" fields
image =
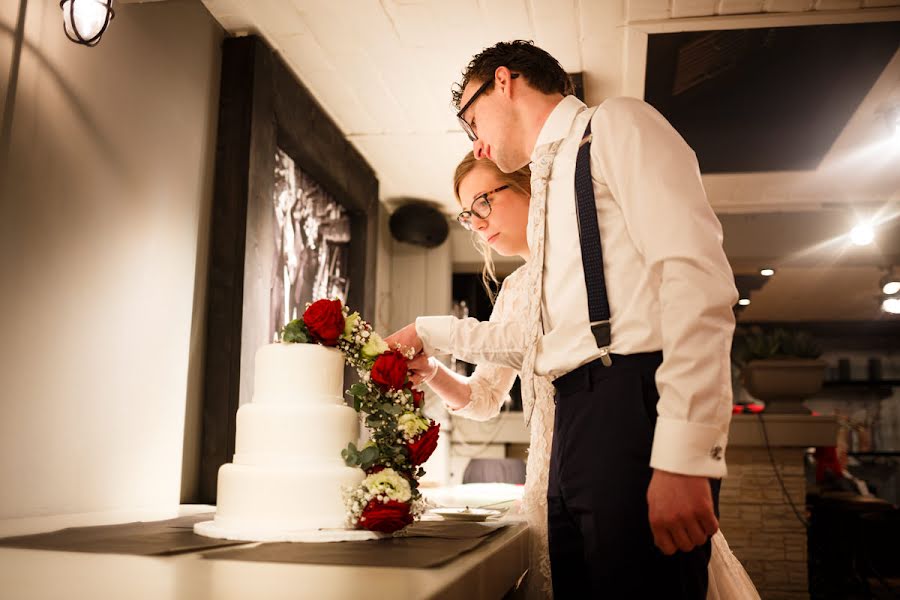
{"x": 747, "y": 408}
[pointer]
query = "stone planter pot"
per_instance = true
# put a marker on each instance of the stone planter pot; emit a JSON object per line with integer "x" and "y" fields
{"x": 783, "y": 384}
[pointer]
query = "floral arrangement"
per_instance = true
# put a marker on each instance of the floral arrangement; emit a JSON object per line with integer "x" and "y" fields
{"x": 401, "y": 437}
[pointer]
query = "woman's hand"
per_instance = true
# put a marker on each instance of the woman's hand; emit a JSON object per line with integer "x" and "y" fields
{"x": 421, "y": 369}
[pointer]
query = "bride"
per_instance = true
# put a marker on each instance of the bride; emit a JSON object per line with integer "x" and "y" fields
{"x": 500, "y": 206}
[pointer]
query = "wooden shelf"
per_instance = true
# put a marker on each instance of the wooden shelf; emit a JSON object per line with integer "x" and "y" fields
{"x": 863, "y": 383}
{"x": 862, "y": 389}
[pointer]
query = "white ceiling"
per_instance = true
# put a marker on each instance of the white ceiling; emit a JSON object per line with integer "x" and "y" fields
{"x": 383, "y": 70}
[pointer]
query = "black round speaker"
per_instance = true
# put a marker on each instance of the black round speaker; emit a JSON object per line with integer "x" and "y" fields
{"x": 420, "y": 224}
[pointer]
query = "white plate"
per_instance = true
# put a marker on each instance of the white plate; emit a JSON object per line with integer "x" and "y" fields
{"x": 466, "y": 513}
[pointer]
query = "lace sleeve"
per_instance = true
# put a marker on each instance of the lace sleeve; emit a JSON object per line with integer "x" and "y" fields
{"x": 489, "y": 385}
{"x": 488, "y": 389}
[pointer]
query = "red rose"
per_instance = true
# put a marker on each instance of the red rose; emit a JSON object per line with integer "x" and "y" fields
{"x": 325, "y": 321}
{"x": 424, "y": 445}
{"x": 418, "y": 396}
{"x": 375, "y": 469}
{"x": 389, "y": 370}
{"x": 386, "y": 517}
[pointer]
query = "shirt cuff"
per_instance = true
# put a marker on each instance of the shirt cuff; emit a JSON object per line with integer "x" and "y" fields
{"x": 689, "y": 448}
{"x": 435, "y": 334}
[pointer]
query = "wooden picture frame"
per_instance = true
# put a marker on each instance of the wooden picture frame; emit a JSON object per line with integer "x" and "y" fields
{"x": 263, "y": 107}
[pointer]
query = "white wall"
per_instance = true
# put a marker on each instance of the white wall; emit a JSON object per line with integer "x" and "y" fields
{"x": 413, "y": 281}
{"x": 104, "y": 228}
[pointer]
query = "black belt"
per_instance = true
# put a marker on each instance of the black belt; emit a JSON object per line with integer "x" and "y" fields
{"x": 592, "y": 372}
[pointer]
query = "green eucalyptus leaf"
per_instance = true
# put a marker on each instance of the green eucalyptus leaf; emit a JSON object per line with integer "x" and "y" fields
{"x": 295, "y": 332}
{"x": 369, "y": 455}
{"x": 391, "y": 409}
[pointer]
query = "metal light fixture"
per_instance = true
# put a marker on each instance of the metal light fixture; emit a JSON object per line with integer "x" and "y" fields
{"x": 84, "y": 21}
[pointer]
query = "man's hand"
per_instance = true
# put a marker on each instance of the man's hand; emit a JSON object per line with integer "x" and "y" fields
{"x": 405, "y": 339}
{"x": 680, "y": 511}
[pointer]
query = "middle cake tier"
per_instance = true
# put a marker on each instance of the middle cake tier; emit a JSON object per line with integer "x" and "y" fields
{"x": 284, "y": 434}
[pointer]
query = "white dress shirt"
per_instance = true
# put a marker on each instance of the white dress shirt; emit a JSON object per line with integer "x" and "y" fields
{"x": 669, "y": 284}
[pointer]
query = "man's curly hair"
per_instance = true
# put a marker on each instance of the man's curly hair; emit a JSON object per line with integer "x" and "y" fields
{"x": 542, "y": 71}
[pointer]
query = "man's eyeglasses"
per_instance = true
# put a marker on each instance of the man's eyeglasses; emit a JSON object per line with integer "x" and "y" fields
{"x": 481, "y": 208}
{"x": 470, "y": 131}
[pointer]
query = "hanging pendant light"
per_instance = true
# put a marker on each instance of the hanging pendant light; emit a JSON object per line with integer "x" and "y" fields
{"x": 85, "y": 21}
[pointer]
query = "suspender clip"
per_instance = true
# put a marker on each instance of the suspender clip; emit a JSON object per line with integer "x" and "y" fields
{"x": 605, "y": 358}
{"x": 601, "y": 331}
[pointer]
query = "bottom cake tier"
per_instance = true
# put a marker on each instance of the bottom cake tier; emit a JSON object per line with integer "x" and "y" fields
{"x": 283, "y": 498}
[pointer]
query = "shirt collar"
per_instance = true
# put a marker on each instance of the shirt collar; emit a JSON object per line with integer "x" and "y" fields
{"x": 559, "y": 122}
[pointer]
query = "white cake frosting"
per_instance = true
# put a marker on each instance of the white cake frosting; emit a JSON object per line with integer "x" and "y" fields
{"x": 288, "y": 474}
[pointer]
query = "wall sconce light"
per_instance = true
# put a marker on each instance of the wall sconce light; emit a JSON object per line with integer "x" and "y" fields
{"x": 84, "y": 21}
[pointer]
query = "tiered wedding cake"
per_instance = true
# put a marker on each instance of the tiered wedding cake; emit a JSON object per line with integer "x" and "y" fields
{"x": 287, "y": 476}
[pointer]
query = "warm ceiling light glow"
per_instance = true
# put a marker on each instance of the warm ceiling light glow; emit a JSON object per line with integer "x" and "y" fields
{"x": 890, "y": 288}
{"x": 862, "y": 234}
{"x": 891, "y": 305}
{"x": 767, "y": 272}
{"x": 85, "y": 21}
{"x": 895, "y": 115}
{"x": 744, "y": 301}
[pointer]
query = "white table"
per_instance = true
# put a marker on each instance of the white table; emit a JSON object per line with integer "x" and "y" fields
{"x": 488, "y": 571}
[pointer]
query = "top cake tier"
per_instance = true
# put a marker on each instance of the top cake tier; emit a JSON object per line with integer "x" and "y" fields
{"x": 298, "y": 373}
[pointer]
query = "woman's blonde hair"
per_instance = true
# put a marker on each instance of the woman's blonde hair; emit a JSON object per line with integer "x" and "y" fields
{"x": 519, "y": 181}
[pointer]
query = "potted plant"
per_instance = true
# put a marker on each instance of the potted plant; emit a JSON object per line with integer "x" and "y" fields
{"x": 780, "y": 367}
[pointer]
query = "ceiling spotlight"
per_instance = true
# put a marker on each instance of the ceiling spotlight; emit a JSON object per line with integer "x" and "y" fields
{"x": 891, "y": 305}
{"x": 890, "y": 283}
{"x": 767, "y": 272}
{"x": 84, "y": 21}
{"x": 862, "y": 234}
{"x": 744, "y": 301}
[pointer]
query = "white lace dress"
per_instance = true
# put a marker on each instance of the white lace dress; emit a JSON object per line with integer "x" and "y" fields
{"x": 490, "y": 385}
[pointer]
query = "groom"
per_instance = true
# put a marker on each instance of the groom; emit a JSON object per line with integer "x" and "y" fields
{"x": 619, "y": 227}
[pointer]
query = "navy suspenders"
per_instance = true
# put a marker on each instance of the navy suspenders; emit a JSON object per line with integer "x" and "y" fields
{"x": 591, "y": 250}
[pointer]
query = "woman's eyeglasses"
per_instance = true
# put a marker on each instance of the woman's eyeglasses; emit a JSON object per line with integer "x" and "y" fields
{"x": 481, "y": 208}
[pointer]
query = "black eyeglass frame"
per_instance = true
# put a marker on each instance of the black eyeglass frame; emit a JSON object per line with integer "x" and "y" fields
{"x": 462, "y": 121}
{"x": 463, "y": 217}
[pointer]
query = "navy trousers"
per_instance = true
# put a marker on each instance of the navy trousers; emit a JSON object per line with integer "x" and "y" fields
{"x": 601, "y": 545}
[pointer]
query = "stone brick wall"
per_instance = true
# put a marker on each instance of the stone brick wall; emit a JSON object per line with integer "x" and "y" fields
{"x": 759, "y": 524}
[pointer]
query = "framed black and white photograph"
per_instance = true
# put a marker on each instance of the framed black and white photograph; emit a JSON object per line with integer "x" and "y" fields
{"x": 312, "y": 244}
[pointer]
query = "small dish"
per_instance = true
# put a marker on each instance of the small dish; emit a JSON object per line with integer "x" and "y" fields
{"x": 466, "y": 513}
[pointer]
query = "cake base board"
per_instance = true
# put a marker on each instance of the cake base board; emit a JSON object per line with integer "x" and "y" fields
{"x": 249, "y": 534}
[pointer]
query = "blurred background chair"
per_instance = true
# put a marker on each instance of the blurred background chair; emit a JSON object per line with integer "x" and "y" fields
{"x": 495, "y": 470}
